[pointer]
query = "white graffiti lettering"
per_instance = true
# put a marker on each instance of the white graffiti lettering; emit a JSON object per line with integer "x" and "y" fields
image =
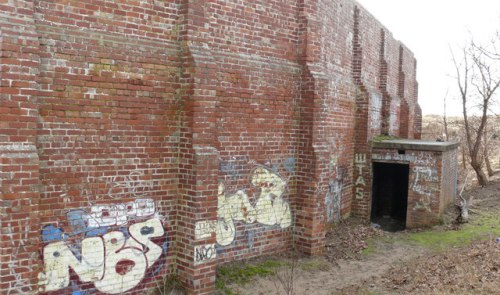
{"x": 360, "y": 158}
{"x": 425, "y": 180}
{"x": 360, "y": 163}
{"x": 112, "y": 262}
{"x": 204, "y": 229}
{"x": 132, "y": 185}
{"x": 119, "y": 214}
{"x": 19, "y": 285}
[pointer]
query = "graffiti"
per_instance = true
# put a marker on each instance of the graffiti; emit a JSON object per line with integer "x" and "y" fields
{"x": 230, "y": 208}
{"x": 376, "y": 111}
{"x": 360, "y": 164}
{"x": 118, "y": 247}
{"x": 333, "y": 192}
{"x": 333, "y": 200}
{"x": 424, "y": 176}
{"x": 119, "y": 214}
{"x": 394, "y": 157}
{"x": 115, "y": 263}
{"x": 269, "y": 209}
{"x": 100, "y": 217}
{"x": 289, "y": 165}
{"x": 250, "y": 239}
{"x": 233, "y": 166}
{"x": 132, "y": 186}
{"x": 19, "y": 285}
{"x": 204, "y": 253}
{"x": 204, "y": 229}
{"x": 229, "y": 168}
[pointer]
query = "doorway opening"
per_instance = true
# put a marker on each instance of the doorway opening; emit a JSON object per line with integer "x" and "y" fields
{"x": 390, "y": 195}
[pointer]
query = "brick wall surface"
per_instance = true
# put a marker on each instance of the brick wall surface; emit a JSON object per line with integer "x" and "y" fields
{"x": 145, "y": 138}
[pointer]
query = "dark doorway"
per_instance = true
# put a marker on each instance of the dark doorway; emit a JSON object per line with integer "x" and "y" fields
{"x": 390, "y": 195}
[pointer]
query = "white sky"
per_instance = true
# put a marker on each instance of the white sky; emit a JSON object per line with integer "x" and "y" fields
{"x": 429, "y": 28}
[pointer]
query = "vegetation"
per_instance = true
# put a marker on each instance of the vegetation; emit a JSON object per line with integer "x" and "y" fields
{"x": 481, "y": 228}
{"x": 171, "y": 285}
{"x": 383, "y": 137}
{"x": 477, "y": 72}
{"x": 243, "y": 273}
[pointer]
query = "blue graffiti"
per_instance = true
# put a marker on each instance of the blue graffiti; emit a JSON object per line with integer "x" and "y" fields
{"x": 250, "y": 239}
{"x": 51, "y": 233}
{"x": 289, "y": 165}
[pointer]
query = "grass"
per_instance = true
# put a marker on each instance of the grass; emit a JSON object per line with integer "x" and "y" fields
{"x": 314, "y": 264}
{"x": 170, "y": 285}
{"x": 243, "y": 273}
{"x": 480, "y": 228}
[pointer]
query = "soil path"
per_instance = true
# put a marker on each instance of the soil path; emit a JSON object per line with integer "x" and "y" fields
{"x": 330, "y": 278}
{"x": 367, "y": 271}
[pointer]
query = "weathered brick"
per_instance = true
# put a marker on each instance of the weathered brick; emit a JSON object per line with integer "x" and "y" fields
{"x": 230, "y": 129}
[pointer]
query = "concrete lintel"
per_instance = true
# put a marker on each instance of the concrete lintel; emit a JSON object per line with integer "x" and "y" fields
{"x": 419, "y": 145}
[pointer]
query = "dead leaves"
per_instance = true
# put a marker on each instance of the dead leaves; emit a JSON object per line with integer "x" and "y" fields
{"x": 348, "y": 239}
{"x": 471, "y": 269}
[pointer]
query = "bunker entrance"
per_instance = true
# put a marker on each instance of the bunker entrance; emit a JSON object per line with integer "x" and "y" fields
{"x": 390, "y": 195}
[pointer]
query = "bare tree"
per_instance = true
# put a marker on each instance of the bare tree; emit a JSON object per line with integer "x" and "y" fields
{"x": 487, "y": 147}
{"x": 445, "y": 120}
{"x": 478, "y": 81}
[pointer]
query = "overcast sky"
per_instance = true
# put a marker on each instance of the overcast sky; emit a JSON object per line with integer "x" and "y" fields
{"x": 429, "y": 28}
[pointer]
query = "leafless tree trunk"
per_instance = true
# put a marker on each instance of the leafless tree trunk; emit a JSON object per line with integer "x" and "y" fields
{"x": 477, "y": 80}
{"x": 464, "y": 204}
{"x": 464, "y": 159}
{"x": 445, "y": 121}
{"x": 487, "y": 153}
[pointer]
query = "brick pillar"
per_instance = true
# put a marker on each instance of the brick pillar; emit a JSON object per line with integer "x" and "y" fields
{"x": 417, "y": 129}
{"x": 198, "y": 168}
{"x": 405, "y": 109}
{"x": 361, "y": 204}
{"x": 386, "y": 99}
{"x": 403, "y": 123}
{"x": 309, "y": 231}
{"x": 19, "y": 164}
{"x": 309, "y": 216}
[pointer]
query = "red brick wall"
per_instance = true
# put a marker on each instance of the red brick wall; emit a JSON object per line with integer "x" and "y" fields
{"x": 409, "y": 92}
{"x": 394, "y": 103}
{"x": 203, "y": 132}
{"x": 19, "y": 161}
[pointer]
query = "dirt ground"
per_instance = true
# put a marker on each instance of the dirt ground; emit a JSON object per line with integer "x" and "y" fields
{"x": 392, "y": 264}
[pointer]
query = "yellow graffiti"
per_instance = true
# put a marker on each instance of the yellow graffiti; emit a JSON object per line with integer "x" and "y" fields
{"x": 270, "y": 208}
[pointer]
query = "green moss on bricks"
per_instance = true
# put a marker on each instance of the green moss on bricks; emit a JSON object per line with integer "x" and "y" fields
{"x": 380, "y": 138}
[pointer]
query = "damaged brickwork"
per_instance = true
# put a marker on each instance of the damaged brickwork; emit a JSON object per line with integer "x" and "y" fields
{"x": 144, "y": 138}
